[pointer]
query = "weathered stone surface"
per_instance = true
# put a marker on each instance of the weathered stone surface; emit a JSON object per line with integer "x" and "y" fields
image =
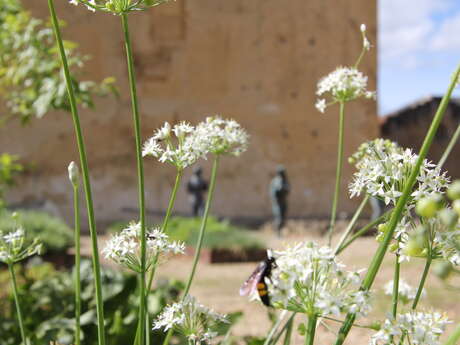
{"x": 257, "y": 61}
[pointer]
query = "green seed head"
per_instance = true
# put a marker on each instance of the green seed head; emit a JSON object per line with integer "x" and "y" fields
{"x": 454, "y": 190}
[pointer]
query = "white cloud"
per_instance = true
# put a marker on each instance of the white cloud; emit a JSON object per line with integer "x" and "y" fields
{"x": 406, "y": 28}
{"x": 448, "y": 35}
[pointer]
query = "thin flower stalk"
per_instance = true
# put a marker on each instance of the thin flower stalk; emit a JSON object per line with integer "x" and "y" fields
{"x": 400, "y": 205}
{"x": 85, "y": 174}
{"x": 77, "y": 283}
{"x": 338, "y": 173}
{"x": 18, "y": 306}
{"x": 288, "y": 336}
{"x": 275, "y": 327}
{"x": 454, "y": 337}
{"x": 395, "y": 294}
{"x": 311, "y": 329}
{"x": 351, "y": 225}
{"x": 212, "y": 185}
{"x": 422, "y": 282}
{"x": 140, "y": 171}
{"x": 449, "y": 148}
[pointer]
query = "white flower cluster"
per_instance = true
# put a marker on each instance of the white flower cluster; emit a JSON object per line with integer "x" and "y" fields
{"x": 308, "y": 279}
{"x": 343, "y": 85}
{"x": 190, "y": 318}
{"x": 13, "y": 247}
{"x": 221, "y": 137}
{"x": 118, "y": 6}
{"x": 417, "y": 328}
{"x": 215, "y": 135}
{"x": 384, "y": 170}
{"x": 448, "y": 243}
{"x": 124, "y": 248}
{"x": 406, "y": 293}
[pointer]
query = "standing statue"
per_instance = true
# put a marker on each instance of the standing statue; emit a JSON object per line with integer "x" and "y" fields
{"x": 196, "y": 187}
{"x": 279, "y": 190}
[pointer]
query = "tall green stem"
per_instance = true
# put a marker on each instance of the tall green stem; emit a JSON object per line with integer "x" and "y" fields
{"x": 76, "y": 206}
{"x": 454, "y": 337}
{"x": 270, "y": 335}
{"x": 86, "y": 179}
{"x": 449, "y": 148}
{"x": 18, "y": 306}
{"x": 422, "y": 281}
{"x": 338, "y": 173}
{"x": 400, "y": 205}
{"x": 395, "y": 295}
{"x": 140, "y": 170}
{"x": 352, "y": 223}
{"x": 311, "y": 329}
{"x": 212, "y": 185}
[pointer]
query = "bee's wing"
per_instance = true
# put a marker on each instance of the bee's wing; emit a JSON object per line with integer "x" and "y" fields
{"x": 250, "y": 284}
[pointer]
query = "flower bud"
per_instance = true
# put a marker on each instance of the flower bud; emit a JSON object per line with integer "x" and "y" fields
{"x": 456, "y": 206}
{"x": 454, "y": 190}
{"x": 74, "y": 174}
{"x": 427, "y": 207}
{"x": 448, "y": 217}
{"x": 443, "y": 269}
{"x": 413, "y": 248}
{"x": 382, "y": 228}
{"x": 393, "y": 247}
{"x": 363, "y": 28}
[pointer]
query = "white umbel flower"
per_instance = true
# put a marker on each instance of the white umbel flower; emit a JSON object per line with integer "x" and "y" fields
{"x": 118, "y": 7}
{"x": 14, "y": 247}
{"x": 383, "y": 171}
{"x": 417, "y": 328}
{"x": 308, "y": 279}
{"x": 190, "y": 318}
{"x": 220, "y": 137}
{"x": 124, "y": 247}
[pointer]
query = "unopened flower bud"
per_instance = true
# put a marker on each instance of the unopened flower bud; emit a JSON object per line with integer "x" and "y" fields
{"x": 456, "y": 206}
{"x": 448, "y": 217}
{"x": 382, "y": 228}
{"x": 414, "y": 248}
{"x": 363, "y": 28}
{"x": 454, "y": 190}
{"x": 74, "y": 174}
{"x": 443, "y": 269}
{"x": 427, "y": 207}
{"x": 393, "y": 247}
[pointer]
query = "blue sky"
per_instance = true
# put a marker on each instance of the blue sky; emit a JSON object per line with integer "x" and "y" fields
{"x": 419, "y": 48}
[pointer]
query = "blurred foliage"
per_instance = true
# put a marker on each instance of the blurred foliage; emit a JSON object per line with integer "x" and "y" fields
{"x": 220, "y": 234}
{"x": 9, "y": 169}
{"x": 54, "y": 234}
{"x": 47, "y": 298}
{"x": 31, "y": 80}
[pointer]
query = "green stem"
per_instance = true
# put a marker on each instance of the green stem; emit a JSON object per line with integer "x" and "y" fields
{"x": 353, "y": 221}
{"x": 338, "y": 173}
{"x": 86, "y": 179}
{"x": 454, "y": 337}
{"x": 280, "y": 319}
{"x": 140, "y": 170}
{"x": 362, "y": 231}
{"x": 395, "y": 294}
{"x": 212, "y": 185}
{"x": 76, "y": 204}
{"x": 400, "y": 205}
{"x": 18, "y": 306}
{"x": 287, "y": 337}
{"x": 164, "y": 227}
{"x": 204, "y": 220}
{"x": 288, "y": 325}
{"x": 422, "y": 282}
{"x": 449, "y": 148}
{"x": 311, "y": 329}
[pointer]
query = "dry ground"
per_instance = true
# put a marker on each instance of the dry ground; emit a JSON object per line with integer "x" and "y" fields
{"x": 217, "y": 285}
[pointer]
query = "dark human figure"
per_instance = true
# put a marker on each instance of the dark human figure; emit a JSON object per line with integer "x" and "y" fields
{"x": 279, "y": 190}
{"x": 196, "y": 187}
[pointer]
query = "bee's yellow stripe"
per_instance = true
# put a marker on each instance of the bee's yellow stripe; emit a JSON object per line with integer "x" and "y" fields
{"x": 260, "y": 286}
{"x": 263, "y": 292}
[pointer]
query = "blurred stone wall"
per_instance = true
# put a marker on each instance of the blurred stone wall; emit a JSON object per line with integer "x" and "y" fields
{"x": 257, "y": 61}
{"x": 409, "y": 125}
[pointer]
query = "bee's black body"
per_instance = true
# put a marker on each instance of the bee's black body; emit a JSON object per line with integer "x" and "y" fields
{"x": 256, "y": 280}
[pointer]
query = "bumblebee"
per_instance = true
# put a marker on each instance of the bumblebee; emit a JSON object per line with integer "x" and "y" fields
{"x": 256, "y": 281}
